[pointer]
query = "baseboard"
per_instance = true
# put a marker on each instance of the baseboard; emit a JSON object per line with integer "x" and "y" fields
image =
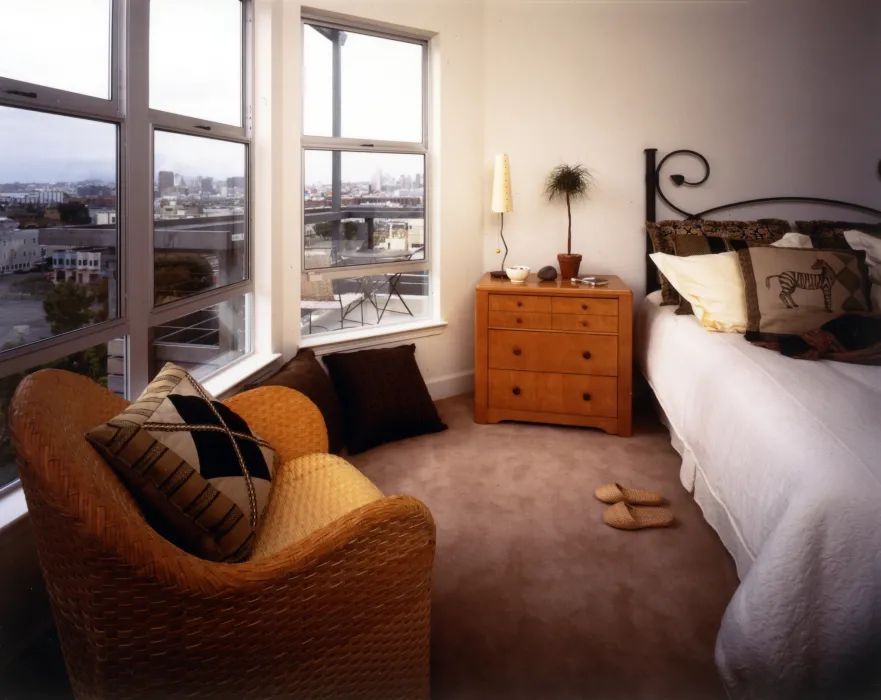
{"x": 451, "y": 385}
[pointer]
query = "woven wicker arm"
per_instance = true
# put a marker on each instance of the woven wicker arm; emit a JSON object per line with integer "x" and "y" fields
{"x": 340, "y": 612}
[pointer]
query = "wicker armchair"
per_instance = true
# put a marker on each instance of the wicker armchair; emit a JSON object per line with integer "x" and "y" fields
{"x": 335, "y": 603}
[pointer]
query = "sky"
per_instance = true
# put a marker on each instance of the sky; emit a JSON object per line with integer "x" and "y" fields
{"x": 381, "y": 100}
{"x": 195, "y": 70}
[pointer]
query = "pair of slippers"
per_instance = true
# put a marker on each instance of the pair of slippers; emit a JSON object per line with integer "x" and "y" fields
{"x": 627, "y": 513}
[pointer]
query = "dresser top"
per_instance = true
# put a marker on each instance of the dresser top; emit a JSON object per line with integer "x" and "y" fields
{"x": 533, "y": 285}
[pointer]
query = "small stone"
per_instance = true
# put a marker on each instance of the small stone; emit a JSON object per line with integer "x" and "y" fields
{"x": 547, "y": 273}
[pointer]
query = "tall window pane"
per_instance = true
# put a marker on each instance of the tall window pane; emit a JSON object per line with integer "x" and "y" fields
{"x": 196, "y": 61}
{"x": 58, "y": 230}
{"x": 204, "y": 341}
{"x": 378, "y": 215}
{"x": 104, "y": 364}
{"x": 199, "y": 207}
{"x": 63, "y": 44}
{"x": 380, "y": 86}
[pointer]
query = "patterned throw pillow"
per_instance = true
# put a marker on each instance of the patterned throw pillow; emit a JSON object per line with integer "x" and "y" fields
{"x": 792, "y": 291}
{"x": 830, "y": 234}
{"x": 662, "y": 233}
{"x": 201, "y": 475}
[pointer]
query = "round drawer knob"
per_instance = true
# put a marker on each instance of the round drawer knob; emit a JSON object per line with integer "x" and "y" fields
{"x": 517, "y": 351}
{"x": 519, "y": 320}
{"x": 516, "y": 391}
{"x": 519, "y": 303}
{"x": 584, "y": 323}
{"x": 585, "y": 355}
{"x": 585, "y": 396}
{"x": 584, "y": 307}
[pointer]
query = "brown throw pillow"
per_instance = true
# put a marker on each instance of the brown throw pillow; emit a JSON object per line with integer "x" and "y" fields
{"x": 830, "y": 234}
{"x": 795, "y": 290}
{"x": 305, "y": 374}
{"x": 662, "y": 233}
{"x": 383, "y": 396}
{"x": 200, "y": 474}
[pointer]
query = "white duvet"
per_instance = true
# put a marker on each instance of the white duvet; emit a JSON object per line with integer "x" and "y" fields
{"x": 784, "y": 457}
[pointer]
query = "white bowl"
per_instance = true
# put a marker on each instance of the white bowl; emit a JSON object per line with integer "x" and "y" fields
{"x": 517, "y": 273}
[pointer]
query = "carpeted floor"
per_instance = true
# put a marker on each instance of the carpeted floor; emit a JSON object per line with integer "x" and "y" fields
{"x": 534, "y": 597}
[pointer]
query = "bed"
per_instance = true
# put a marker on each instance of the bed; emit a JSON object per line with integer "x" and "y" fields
{"x": 784, "y": 458}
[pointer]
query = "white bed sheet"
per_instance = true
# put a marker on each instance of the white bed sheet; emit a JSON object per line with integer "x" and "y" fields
{"x": 784, "y": 458}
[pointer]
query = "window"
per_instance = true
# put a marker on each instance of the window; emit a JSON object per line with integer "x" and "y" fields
{"x": 95, "y": 152}
{"x": 365, "y": 166}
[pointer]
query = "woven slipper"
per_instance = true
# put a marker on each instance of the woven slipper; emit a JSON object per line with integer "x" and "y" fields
{"x": 615, "y": 493}
{"x": 625, "y": 517}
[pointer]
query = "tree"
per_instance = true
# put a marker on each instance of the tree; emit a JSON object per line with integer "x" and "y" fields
{"x": 181, "y": 274}
{"x": 75, "y": 213}
{"x": 68, "y": 306}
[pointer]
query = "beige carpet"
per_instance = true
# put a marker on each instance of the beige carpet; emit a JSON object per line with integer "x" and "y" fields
{"x": 533, "y": 596}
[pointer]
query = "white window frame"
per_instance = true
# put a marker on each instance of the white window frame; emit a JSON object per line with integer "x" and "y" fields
{"x": 333, "y": 21}
{"x": 128, "y": 108}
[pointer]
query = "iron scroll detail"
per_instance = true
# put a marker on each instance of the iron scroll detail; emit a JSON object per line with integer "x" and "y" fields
{"x": 679, "y": 180}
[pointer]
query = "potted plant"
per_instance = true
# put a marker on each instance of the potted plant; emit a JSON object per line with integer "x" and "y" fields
{"x": 571, "y": 182}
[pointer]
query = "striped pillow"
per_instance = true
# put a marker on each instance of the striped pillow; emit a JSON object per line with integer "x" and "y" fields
{"x": 200, "y": 474}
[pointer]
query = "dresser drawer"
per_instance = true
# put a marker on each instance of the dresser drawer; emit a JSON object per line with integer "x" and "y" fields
{"x": 583, "y": 323}
{"x": 553, "y": 393}
{"x": 594, "y": 307}
{"x": 519, "y": 319}
{"x": 575, "y": 353}
{"x": 509, "y": 302}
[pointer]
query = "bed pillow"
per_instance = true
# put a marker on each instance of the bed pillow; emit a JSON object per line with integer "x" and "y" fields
{"x": 791, "y": 291}
{"x": 713, "y": 286}
{"x": 687, "y": 245}
{"x": 830, "y": 234}
{"x": 200, "y": 474}
{"x": 662, "y": 232}
{"x": 305, "y": 374}
{"x": 858, "y": 240}
{"x": 383, "y": 396}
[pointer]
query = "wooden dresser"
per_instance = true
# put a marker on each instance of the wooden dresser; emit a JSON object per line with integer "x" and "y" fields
{"x": 554, "y": 352}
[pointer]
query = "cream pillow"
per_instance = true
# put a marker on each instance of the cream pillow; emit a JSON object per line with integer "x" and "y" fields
{"x": 872, "y": 245}
{"x": 714, "y": 286}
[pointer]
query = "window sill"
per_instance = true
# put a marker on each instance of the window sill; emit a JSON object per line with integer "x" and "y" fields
{"x": 361, "y": 338}
{"x": 223, "y": 382}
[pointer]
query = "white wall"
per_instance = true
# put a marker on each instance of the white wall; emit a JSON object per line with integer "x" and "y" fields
{"x": 780, "y": 95}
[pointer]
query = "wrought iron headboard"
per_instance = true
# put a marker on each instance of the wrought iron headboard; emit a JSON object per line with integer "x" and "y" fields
{"x": 654, "y": 192}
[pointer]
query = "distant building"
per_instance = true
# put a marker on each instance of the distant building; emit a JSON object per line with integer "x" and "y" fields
{"x": 102, "y": 217}
{"x": 82, "y": 266}
{"x": 208, "y": 184}
{"x": 20, "y": 251}
{"x": 165, "y": 181}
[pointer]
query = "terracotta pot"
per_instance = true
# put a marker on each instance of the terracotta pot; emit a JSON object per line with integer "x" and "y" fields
{"x": 569, "y": 264}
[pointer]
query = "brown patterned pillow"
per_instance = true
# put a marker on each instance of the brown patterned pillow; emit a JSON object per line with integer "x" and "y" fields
{"x": 830, "y": 234}
{"x": 662, "y": 232}
{"x": 192, "y": 463}
{"x": 795, "y": 290}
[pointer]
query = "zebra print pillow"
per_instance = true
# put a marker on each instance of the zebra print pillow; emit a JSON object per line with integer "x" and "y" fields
{"x": 795, "y": 290}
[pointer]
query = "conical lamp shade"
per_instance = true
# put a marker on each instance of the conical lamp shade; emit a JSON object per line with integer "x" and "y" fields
{"x": 502, "y": 199}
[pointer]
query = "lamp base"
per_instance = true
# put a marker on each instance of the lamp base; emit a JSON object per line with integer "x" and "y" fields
{"x": 499, "y": 274}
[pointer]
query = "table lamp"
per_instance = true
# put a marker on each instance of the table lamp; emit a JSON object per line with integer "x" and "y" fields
{"x": 502, "y": 203}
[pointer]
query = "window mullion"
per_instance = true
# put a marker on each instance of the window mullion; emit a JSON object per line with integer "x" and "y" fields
{"x": 138, "y": 197}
